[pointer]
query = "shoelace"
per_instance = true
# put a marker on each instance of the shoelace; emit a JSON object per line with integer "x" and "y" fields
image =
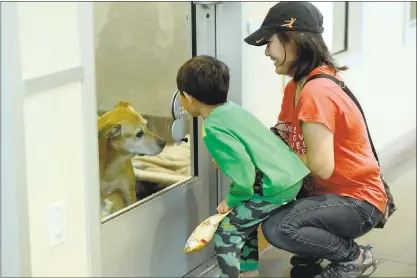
{"x": 335, "y": 270}
{"x": 368, "y": 247}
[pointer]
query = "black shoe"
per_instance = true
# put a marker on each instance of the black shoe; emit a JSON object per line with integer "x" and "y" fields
{"x": 309, "y": 271}
{"x": 304, "y": 261}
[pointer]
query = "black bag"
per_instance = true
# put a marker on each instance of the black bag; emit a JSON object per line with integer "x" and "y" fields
{"x": 390, "y": 207}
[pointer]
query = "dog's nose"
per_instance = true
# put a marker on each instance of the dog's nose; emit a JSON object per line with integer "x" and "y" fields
{"x": 161, "y": 143}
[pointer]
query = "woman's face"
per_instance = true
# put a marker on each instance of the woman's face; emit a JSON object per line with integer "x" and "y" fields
{"x": 281, "y": 56}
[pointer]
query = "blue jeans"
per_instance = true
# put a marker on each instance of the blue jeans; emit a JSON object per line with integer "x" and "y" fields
{"x": 321, "y": 227}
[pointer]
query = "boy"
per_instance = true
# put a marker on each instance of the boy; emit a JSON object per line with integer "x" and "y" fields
{"x": 265, "y": 172}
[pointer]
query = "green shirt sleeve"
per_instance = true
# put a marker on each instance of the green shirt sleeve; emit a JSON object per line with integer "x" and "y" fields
{"x": 233, "y": 160}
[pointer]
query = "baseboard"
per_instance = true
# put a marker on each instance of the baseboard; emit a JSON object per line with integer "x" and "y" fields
{"x": 208, "y": 269}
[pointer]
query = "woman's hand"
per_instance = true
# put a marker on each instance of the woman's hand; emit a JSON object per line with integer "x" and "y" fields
{"x": 223, "y": 208}
{"x": 279, "y": 127}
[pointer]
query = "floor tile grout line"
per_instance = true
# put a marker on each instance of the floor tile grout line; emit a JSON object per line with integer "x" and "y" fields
{"x": 394, "y": 261}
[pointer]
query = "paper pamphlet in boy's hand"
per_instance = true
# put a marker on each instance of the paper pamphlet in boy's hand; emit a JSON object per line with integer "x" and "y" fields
{"x": 203, "y": 234}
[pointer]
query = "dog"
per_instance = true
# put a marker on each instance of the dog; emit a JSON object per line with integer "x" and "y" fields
{"x": 123, "y": 134}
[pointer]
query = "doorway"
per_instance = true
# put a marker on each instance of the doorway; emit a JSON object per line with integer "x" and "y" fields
{"x": 139, "y": 46}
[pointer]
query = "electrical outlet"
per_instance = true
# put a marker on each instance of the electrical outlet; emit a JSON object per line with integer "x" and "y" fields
{"x": 57, "y": 216}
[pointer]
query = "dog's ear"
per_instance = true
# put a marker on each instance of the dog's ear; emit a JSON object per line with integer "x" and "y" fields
{"x": 108, "y": 131}
{"x": 115, "y": 131}
{"x": 126, "y": 104}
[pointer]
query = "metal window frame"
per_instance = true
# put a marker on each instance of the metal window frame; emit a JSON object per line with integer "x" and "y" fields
{"x": 356, "y": 36}
{"x": 346, "y": 29}
{"x": 203, "y": 42}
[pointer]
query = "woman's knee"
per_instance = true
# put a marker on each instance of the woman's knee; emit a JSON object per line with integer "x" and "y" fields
{"x": 275, "y": 232}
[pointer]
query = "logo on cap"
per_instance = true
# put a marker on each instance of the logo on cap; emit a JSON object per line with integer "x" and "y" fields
{"x": 258, "y": 41}
{"x": 290, "y": 22}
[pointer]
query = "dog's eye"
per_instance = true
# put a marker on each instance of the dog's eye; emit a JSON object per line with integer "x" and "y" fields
{"x": 140, "y": 133}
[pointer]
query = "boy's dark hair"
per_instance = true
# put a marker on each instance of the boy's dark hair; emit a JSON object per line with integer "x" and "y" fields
{"x": 205, "y": 78}
{"x": 311, "y": 52}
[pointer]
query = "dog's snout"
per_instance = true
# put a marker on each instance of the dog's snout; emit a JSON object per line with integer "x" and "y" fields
{"x": 161, "y": 143}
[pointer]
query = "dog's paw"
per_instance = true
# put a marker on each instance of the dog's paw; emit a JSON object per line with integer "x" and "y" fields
{"x": 107, "y": 208}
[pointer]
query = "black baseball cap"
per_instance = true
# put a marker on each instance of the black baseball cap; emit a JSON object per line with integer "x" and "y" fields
{"x": 287, "y": 16}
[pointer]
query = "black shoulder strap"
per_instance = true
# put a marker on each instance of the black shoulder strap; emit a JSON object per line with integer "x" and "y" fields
{"x": 349, "y": 93}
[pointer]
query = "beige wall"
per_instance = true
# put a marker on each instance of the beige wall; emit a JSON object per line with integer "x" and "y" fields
{"x": 262, "y": 89}
{"x": 139, "y": 48}
{"x": 49, "y": 42}
{"x": 385, "y": 80}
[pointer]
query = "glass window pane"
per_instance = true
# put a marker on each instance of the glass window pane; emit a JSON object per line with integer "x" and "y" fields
{"x": 139, "y": 47}
{"x": 335, "y": 25}
{"x": 339, "y": 43}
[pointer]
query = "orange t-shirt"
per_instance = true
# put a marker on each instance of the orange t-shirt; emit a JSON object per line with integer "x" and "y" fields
{"x": 356, "y": 173}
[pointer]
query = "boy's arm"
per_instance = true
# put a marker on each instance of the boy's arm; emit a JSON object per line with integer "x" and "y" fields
{"x": 234, "y": 162}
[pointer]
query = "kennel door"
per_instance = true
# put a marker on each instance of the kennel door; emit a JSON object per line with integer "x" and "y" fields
{"x": 139, "y": 47}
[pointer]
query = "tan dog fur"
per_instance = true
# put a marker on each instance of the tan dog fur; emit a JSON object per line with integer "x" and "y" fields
{"x": 123, "y": 134}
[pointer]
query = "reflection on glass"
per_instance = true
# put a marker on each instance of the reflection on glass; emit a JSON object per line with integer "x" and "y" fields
{"x": 339, "y": 43}
{"x": 139, "y": 47}
{"x": 413, "y": 8}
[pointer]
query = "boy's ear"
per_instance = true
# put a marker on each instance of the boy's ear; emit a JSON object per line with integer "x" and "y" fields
{"x": 189, "y": 98}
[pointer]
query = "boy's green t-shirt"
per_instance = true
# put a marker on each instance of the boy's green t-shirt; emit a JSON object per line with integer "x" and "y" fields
{"x": 239, "y": 142}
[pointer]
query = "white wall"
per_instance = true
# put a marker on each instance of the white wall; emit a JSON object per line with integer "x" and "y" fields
{"x": 262, "y": 89}
{"x": 383, "y": 79}
{"x": 15, "y": 242}
{"x": 54, "y": 134}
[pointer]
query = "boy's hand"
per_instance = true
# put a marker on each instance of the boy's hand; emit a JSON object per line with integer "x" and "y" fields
{"x": 223, "y": 208}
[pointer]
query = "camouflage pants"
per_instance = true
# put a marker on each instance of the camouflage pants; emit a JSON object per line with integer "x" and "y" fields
{"x": 236, "y": 238}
